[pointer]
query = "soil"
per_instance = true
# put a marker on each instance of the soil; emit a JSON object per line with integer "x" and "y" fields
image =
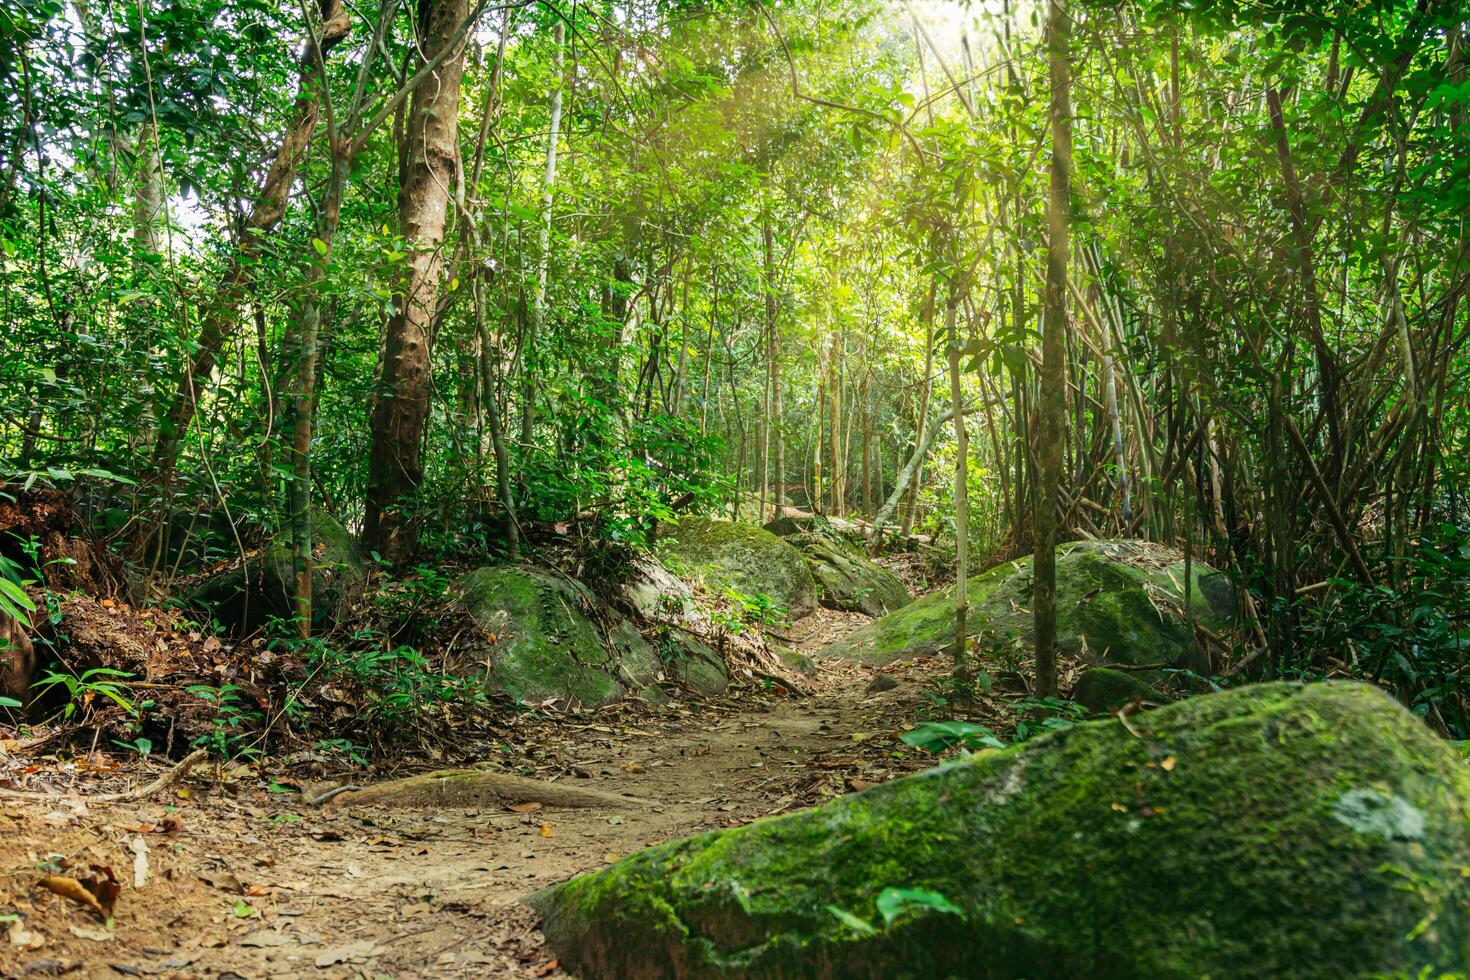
{"x": 233, "y": 874}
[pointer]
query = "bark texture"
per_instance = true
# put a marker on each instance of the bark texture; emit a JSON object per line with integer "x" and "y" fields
{"x": 396, "y": 467}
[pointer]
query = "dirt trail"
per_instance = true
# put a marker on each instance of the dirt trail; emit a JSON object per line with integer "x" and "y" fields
{"x": 258, "y": 885}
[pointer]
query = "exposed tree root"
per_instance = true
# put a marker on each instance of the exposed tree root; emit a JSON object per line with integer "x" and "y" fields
{"x": 472, "y": 787}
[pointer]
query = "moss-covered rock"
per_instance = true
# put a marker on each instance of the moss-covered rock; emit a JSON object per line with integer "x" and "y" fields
{"x": 1102, "y": 689}
{"x": 726, "y": 556}
{"x": 1268, "y": 831}
{"x": 1117, "y": 602}
{"x": 847, "y": 579}
{"x": 244, "y": 597}
{"x": 546, "y": 645}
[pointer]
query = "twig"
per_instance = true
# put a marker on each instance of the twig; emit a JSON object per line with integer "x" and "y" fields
{"x": 163, "y": 782}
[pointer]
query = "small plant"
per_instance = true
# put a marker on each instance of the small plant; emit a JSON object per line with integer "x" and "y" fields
{"x": 1042, "y": 715}
{"x": 936, "y": 736}
{"x": 232, "y": 722}
{"x": 142, "y": 746}
{"x": 83, "y": 690}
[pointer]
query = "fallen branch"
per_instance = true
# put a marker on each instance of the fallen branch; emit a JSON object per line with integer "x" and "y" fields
{"x": 163, "y": 782}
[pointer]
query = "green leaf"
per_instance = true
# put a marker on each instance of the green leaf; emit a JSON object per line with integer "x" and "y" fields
{"x": 860, "y": 926}
{"x": 893, "y": 902}
{"x": 320, "y": 246}
{"x": 243, "y": 909}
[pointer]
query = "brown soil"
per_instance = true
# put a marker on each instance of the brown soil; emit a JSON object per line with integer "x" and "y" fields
{"x": 242, "y": 881}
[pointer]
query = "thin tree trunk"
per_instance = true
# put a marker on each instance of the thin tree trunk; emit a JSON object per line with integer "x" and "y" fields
{"x": 961, "y": 489}
{"x": 773, "y": 354}
{"x": 1053, "y": 407}
{"x": 534, "y": 322}
{"x": 911, "y": 503}
{"x": 395, "y": 466}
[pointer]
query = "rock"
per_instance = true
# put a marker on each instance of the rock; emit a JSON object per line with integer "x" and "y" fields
{"x": 797, "y": 661}
{"x": 245, "y": 597}
{"x": 1117, "y": 602}
{"x": 883, "y": 682}
{"x": 751, "y": 561}
{"x": 847, "y": 579}
{"x": 1274, "y": 830}
{"x": 546, "y": 645}
{"x": 1102, "y": 689}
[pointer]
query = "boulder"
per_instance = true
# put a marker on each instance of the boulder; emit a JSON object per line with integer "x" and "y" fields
{"x": 1102, "y": 689}
{"x": 1117, "y": 602}
{"x": 244, "y": 597}
{"x": 847, "y": 579}
{"x": 1275, "y": 830}
{"x": 730, "y": 557}
{"x": 546, "y": 644}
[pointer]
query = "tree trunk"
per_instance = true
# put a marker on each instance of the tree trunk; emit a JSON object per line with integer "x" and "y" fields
{"x": 961, "y": 489}
{"x": 148, "y": 200}
{"x": 1053, "y": 407}
{"x": 532, "y": 338}
{"x": 911, "y": 503}
{"x": 395, "y": 467}
{"x": 773, "y": 353}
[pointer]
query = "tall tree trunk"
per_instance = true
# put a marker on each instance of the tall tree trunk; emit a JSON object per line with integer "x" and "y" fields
{"x": 773, "y": 354}
{"x": 1053, "y": 407}
{"x": 395, "y": 466}
{"x": 148, "y": 197}
{"x": 961, "y": 487}
{"x": 543, "y": 254}
{"x": 911, "y": 502}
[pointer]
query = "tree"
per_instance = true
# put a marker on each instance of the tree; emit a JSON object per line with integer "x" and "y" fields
{"x": 1053, "y": 401}
{"x": 431, "y": 152}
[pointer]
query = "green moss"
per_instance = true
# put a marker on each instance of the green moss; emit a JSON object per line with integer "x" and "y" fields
{"x": 749, "y": 560}
{"x": 847, "y": 579}
{"x": 1101, "y": 689}
{"x": 1214, "y": 845}
{"x": 545, "y": 646}
{"x": 1106, "y": 609}
{"x": 245, "y": 598}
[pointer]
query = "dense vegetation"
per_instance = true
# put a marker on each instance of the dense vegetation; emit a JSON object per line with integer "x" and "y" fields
{"x": 469, "y": 277}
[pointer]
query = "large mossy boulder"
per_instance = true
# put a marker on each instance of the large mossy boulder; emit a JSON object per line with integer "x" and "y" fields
{"x": 545, "y": 642}
{"x": 247, "y": 595}
{"x": 1269, "y": 831}
{"x": 1117, "y": 602}
{"x": 849, "y": 580}
{"x": 730, "y": 557}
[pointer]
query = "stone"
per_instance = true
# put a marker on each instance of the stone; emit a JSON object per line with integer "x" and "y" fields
{"x": 1102, "y": 689}
{"x": 1270, "y": 830}
{"x": 728, "y": 557}
{"x": 1118, "y": 602}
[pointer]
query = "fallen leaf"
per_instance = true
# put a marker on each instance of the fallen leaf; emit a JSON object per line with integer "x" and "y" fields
{"x": 546, "y": 830}
{"x": 612, "y": 857}
{"x": 225, "y": 881}
{"x": 1168, "y": 764}
{"x": 24, "y": 938}
{"x": 173, "y": 824}
{"x": 243, "y": 909}
{"x": 265, "y": 939}
{"x": 257, "y": 891}
{"x": 359, "y": 950}
{"x": 98, "y": 892}
{"x": 525, "y": 807}
{"x": 139, "y": 847}
{"x": 858, "y": 785}
{"x": 547, "y": 968}
{"x": 87, "y": 932}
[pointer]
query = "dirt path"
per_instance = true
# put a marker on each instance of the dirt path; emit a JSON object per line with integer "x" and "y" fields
{"x": 257, "y": 885}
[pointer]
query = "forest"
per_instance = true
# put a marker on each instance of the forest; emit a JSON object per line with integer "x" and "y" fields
{"x": 735, "y": 488}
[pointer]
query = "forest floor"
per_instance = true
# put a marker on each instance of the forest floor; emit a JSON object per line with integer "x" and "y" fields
{"x": 240, "y": 879}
